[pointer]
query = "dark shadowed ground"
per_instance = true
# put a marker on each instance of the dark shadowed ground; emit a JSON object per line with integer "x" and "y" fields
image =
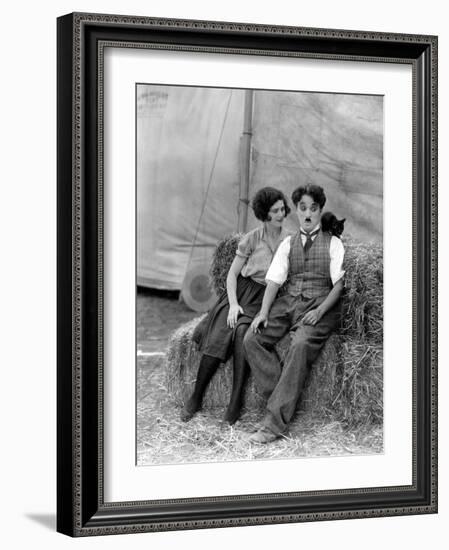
{"x": 159, "y": 313}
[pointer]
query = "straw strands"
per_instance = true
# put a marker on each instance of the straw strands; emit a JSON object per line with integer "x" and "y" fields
{"x": 164, "y": 439}
{"x": 363, "y": 297}
{"x": 222, "y": 258}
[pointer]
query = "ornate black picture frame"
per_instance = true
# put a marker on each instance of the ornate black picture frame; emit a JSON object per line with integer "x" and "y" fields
{"x": 81, "y": 509}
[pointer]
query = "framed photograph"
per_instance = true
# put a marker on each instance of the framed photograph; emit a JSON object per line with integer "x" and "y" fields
{"x": 247, "y": 274}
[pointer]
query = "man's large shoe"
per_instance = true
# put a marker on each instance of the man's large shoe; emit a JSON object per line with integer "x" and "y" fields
{"x": 263, "y": 436}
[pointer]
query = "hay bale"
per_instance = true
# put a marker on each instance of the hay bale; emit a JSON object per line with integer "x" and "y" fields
{"x": 183, "y": 361}
{"x": 222, "y": 258}
{"x": 345, "y": 383}
{"x": 358, "y": 389}
{"x": 362, "y": 301}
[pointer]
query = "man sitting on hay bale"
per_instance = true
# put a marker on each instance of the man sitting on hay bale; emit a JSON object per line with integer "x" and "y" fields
{"x": 311, "y": 262}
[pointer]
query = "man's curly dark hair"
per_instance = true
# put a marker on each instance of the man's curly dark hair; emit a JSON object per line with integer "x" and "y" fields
{"x": 314, "y": 191}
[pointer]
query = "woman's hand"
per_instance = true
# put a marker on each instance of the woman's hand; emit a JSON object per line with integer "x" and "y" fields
{"x": 312, "y": 317}
{"x": 258, "y": 320}
{"x": 234, "y": 312}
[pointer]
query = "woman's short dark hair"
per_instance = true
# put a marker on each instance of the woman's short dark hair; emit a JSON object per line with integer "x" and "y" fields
{"x": 314, "y": 191}
{"x": 264, "y": 199}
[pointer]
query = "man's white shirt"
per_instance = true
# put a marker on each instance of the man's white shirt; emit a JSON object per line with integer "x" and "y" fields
{"x": 278, "y": 270}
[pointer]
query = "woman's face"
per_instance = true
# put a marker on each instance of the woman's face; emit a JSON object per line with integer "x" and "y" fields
{"x": 308, "y": 212}
{"x": 276, "y": 214}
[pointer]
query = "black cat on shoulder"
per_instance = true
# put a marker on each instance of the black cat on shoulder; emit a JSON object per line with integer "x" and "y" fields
{"x": 330, "y": 224}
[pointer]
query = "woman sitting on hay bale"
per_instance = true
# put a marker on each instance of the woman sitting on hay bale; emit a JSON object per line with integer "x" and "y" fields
{"x": 221, "y": 333}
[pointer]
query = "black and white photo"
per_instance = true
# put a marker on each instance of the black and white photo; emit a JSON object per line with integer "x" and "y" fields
{"x": 211, "y": 163}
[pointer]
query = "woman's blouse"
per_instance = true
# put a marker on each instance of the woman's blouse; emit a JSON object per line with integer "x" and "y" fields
{"x": 255, "y": 248}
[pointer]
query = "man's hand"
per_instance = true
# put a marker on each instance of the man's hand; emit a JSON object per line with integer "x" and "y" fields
{"x": 259, "y": 320}
{"x": 312, "y": 317}
{"x": 234, "y": 312}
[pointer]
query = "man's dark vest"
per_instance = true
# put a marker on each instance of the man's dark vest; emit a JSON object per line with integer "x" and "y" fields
{"x": 309, "y": 276}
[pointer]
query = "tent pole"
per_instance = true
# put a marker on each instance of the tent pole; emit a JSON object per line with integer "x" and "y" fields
{"x": 245, "y": 144}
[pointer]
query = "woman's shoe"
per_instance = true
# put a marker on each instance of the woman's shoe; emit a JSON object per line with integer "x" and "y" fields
{"x": 189, "y": 410}
{"x": 232, "y": 413}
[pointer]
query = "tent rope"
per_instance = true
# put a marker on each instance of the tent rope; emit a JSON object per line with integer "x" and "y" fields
{"x": 210, "y": 180}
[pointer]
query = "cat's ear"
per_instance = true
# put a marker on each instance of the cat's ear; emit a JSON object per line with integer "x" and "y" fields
{"x": 343, "y": 220}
